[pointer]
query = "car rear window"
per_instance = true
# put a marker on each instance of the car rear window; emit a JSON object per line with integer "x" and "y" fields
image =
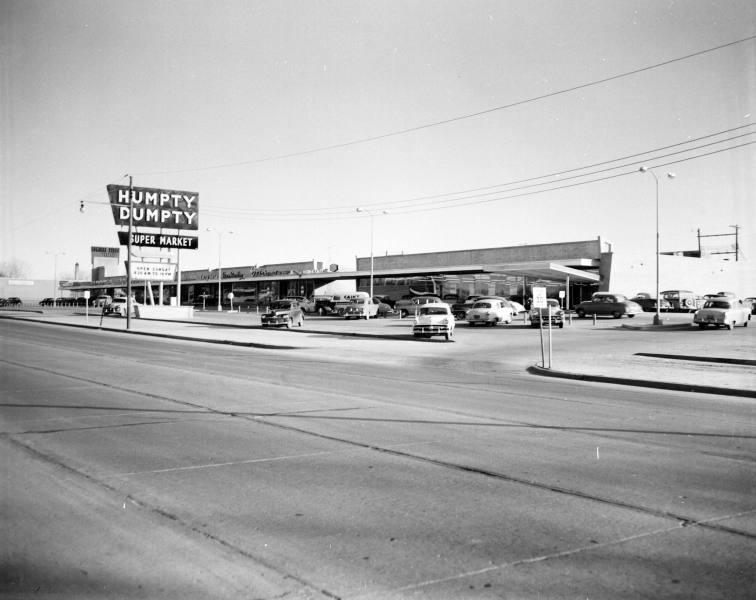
{"x": 482, "y": 305}
{"x": 433, "y": 310}
{"x": 717, "y": 304}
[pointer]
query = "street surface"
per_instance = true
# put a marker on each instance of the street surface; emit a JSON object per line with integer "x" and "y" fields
{"x": 332, "y": 467}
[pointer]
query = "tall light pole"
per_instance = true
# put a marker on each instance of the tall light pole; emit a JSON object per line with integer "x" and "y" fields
{"x": 371, "y": 214}
{"x": 55, "y": 275}
{"x": 220, "y": 272}
{"x": 670, "y": 175}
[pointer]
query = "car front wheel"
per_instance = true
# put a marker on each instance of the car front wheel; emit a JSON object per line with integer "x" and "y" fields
{"x": 581, "y": 313}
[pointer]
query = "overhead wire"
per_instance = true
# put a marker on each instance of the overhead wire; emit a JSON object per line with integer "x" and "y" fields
{"x": 451, "y": 119}
{"x": 427, "y": 203}
{"x": 395, "y": 203}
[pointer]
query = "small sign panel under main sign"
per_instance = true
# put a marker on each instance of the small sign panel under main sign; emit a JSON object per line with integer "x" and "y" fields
{"x": 159, "y": 240}
{"x": 153, "y": 271}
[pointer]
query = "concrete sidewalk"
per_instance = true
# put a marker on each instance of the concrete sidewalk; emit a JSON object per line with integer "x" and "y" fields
{"x": 673, "y": 356}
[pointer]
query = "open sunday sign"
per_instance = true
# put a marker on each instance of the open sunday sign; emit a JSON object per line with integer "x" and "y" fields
{"x": 151, "y": 207}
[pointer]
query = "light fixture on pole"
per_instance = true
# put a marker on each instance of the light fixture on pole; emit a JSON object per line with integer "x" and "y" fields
{"x": 220, "y": 272}
{"x": 55, "y": 275}
{"x": 670, "y": 175}
{"x": 371, "y": 214}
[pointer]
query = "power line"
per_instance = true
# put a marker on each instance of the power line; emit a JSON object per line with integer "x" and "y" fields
{"x": 507, "y": 196}
{"x": 435, "y": 203}
{"x": 394, "y": 203}
{"x": 452, "y": 119}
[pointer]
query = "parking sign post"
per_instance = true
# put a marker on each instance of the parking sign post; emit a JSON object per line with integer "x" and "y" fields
{"x": 539, "y": 302}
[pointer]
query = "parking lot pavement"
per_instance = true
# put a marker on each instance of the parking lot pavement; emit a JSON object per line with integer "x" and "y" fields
{"x": 675, "y": 355}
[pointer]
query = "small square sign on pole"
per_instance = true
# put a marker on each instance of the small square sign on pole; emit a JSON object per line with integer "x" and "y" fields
{"x": 539, "y": 297}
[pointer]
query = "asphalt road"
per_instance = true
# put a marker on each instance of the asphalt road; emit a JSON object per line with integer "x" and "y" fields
{"x": 152, "y": 468}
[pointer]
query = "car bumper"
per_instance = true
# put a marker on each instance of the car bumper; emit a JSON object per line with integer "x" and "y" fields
{"x": 274, "y": 320}
{"x": 431, "y": 329}
{"x": 554, "y": 319}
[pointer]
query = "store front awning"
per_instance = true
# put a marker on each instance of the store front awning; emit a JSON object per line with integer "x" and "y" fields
{"x": 543, "y": 270}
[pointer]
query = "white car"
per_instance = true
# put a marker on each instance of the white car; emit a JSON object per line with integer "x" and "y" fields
{"x": 434, "y": 318}
{"x": 118, "y": 307}
{"x": 490, "y": 312}
{"x": 722, "y": 311}
{"x": 361, "y": 308}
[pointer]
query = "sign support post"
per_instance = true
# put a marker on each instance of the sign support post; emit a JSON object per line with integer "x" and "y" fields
{"x": 539, "y": 303}
{"x": 128, "y": 254}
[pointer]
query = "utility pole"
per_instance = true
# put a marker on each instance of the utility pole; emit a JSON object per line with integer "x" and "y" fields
{"x": 128, "y": 254}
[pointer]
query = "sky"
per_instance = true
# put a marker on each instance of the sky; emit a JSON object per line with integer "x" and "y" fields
{"x": 452, "y": 124}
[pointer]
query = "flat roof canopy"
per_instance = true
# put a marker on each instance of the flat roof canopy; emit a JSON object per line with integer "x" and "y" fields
{"x": 548, "y": 270}
{"x": 557, "y": 271}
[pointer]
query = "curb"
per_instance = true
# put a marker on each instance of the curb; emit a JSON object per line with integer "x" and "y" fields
{"x": 662, "y": 385}
{"x": 163, "y": 335}
{"x": 713, "y": 359}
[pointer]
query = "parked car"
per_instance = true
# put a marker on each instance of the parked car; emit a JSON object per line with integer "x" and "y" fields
{"x": 542, "y": 314}
{"x": 608, "y": 303}
{"x": 648, "y": 302}
{"x": 283, "y": 313}
{"x": 13, "y": 301}
{"x": 434, "y": 318}
{"x": 722, "y": 312}
{"x": 46, "y": 302}
{"x": 459, "y": 309}
{"x": 118, "y": 307}
{"x": 361, "y": 308}
{"x": 102, "y": 300}
{"x": 517, "y": 308}
{"x": 304, "y": 303}
{"x": 407, "y": 306}
{"x": 323, "y": 305}
{"x": 384, "y": 308}
{"x": 489, "y": 311}
{"x": 682, "y": 300}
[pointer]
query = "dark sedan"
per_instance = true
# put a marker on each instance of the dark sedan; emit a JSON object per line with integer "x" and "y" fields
{"x": 648, "y": 303}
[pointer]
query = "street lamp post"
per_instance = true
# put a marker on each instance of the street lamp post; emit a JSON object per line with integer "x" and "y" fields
{"x": 55, "y": 275}
{"x": 670, "y": 175}
{"x": 220, "y": 272}
{"x": 371, "y": 214}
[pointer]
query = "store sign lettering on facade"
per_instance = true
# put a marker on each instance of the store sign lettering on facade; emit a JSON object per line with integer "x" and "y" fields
{"x": 150, "y": 207}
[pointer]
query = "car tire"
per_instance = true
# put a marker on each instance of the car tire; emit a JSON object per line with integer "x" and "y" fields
{"x": 581, "y": 313}
{"x": 702, "y": 325}
{"x": 730, "y": 326}
{"x": 617, "y": 314}
{"x": 630, "y": 316}
{"x": 561, "y": 325}
{"x": 403, "y": 313}
{"x": 745, "y": 323}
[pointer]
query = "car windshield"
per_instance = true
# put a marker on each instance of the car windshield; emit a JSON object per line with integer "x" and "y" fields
{"x": 433, "y": 310}
{"x": 482, "y": 305}
{"x": 717, "y": 304}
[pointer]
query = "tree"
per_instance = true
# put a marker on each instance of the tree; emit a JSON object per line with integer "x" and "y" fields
{"x": 13, "y": 268}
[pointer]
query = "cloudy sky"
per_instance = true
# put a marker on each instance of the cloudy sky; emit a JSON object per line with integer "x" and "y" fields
{"x": 472, "y": 123}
